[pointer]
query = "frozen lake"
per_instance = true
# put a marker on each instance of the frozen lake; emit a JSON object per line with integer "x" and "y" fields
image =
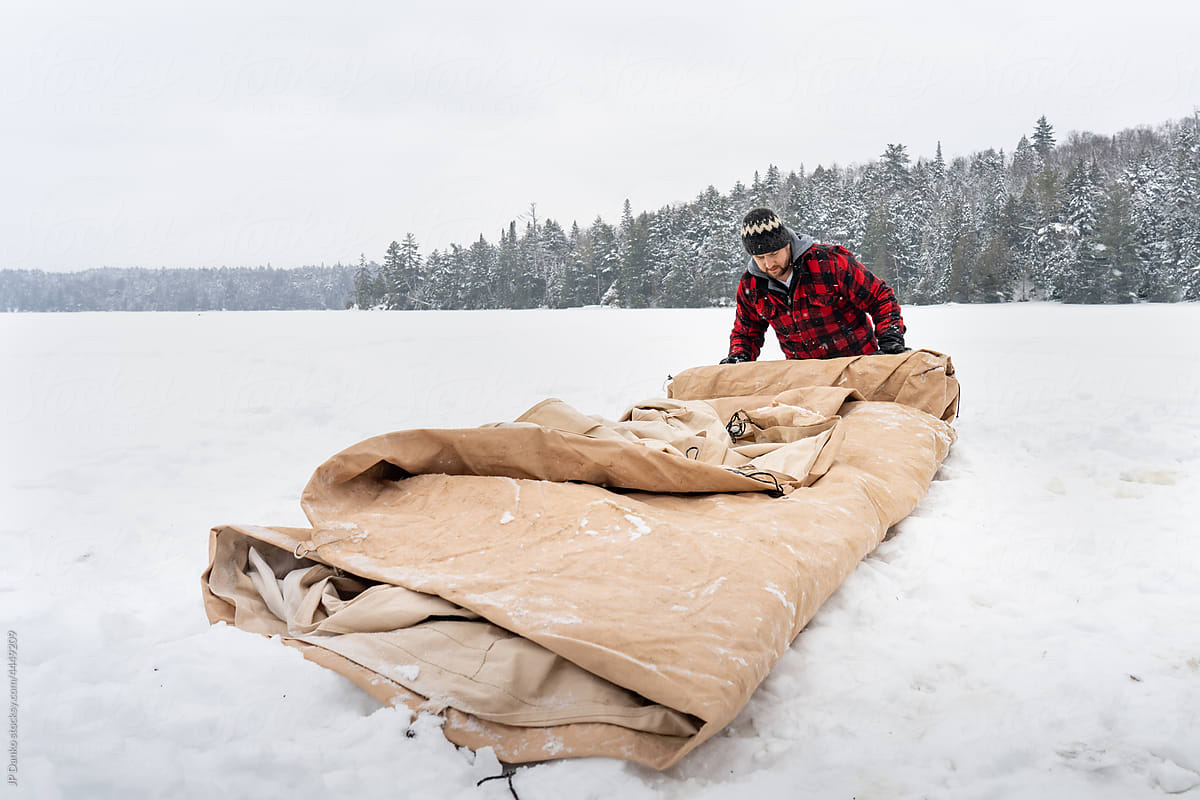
{"x": 1030, "y": 631}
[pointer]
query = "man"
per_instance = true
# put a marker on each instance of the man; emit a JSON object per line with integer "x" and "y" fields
{"x": 820, "y": 300}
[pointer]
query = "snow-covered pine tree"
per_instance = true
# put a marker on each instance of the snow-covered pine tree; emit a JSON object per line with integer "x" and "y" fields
{"x": 605, "y": 262}
{"x": 719, "y": 253}
{"x": 508, "y": 286}
{"x": 1026, "y": 161}
{"x": 556, "y": 251}
{"x": 1081, "y": 213}
{"x": 633, "y": 274}
{"x": 1184, "y": 219}
{"x": 368, "y": 289}
{"x": 1116, "y": 254}
{"x": 1150, "y": 210}
{"x": 392, "y": 280}
{"x": 681, "y": 286}
{"x": 1043, "y": 137}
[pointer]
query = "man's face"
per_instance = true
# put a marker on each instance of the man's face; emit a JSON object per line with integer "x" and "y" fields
{"x": 777, "y": 264}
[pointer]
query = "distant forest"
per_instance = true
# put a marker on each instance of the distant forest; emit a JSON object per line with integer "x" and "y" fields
{"x": 230, "y": 289}
{"x": 1093, "y": 219}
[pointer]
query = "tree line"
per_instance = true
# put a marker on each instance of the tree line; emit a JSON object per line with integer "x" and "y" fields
{"x": 224, "y": 288}
{"x": 1093, "y": 219}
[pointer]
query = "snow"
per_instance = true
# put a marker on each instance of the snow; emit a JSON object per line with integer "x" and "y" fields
{"x": 639, "y": 525}
{"x": 407, "y": 672}
{"x": 1030, "y": 631}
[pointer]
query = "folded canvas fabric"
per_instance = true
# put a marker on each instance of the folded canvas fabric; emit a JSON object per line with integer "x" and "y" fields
{"x": 568, "y": 585}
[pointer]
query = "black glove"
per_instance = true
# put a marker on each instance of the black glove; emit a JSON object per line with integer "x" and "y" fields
{"x": 734, "y": 358}
{"x": 891, "y": 342}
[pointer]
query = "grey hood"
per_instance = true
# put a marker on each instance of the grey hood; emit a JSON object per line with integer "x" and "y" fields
{"x": 800, "y": 244}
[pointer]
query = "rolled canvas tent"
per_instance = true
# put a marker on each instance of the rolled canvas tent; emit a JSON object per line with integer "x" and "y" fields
{"x": 566, "y": 585}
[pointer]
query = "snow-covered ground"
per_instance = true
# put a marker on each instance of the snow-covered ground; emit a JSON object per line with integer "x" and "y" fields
{"x": 1031, "y": 631}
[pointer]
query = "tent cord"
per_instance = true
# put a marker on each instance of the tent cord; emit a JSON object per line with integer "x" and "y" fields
{"x": 771, "y": 479}
{"x": 736, "y": 427}
{"x": 302, "y": 549}
{"x": 508, "y": 774}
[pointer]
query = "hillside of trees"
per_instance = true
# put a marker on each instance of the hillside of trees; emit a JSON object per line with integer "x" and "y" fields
{"x": 1092, "y": 219}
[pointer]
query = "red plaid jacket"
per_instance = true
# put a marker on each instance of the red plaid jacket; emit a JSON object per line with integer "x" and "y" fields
{"x": 834, "y": 299}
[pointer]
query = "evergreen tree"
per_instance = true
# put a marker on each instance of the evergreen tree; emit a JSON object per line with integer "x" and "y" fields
{"x": 773, "y": 188}
{"x": 391, "y": 275}
{"x": 442, "y": 288}
{"x": 758, "y": 192}
{"x": 964, "y": 251}
{"x": 410, "y": 271}
{"x": 468, "y": 274}
{"x": 660, "y": 259}
{"x": 895, "y": 167}
{"x": 890, "y": 242}
{"x": 580, "y": 282}
{"x": 1043, "y": 137}
{"x": 1052, "y": 249}
{"x": 719, "y": 255}
{"x": 1014, "y": 229}
{"x": 606, "y": 262}
{"x": 531, "y": 269}
{"x": 368, "y": 291}
{"x": 682, "y": 286}
{"x": 633, "y": 279}
{"x": 401, "y": 271}
{"x": 1116, "y": 248}
{"x": 1184, "y": 219}
{"x": 509, "y": 284}
{"x": 1026, "y": 160}
{"x": 822, "y": 193}
{"x": 938, "y": 168}
{"x": 1150, "y": 211}
{"x": 556, "y": 249}
{"x": 1082, "y": 276}
{"x": 990, "y": 275}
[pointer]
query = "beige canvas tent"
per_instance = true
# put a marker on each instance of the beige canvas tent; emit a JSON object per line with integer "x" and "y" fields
{"x": 568, "y": 585}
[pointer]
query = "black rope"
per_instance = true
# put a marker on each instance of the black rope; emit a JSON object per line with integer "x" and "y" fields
{"x": 507, "y": 774}
{"x": 736, "y": 427}
{"x": 771, "y": 479}
{"x": 688, "y": 453}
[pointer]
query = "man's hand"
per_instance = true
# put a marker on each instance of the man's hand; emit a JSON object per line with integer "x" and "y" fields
{"x": 734, "y": 358}
{"x": 891, "y": 342}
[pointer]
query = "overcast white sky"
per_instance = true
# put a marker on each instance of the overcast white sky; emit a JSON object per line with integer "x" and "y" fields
{"x": 236, "y": 133}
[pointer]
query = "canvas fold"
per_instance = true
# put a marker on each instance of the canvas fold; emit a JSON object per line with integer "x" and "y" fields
{"x": 568, "y": 585}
